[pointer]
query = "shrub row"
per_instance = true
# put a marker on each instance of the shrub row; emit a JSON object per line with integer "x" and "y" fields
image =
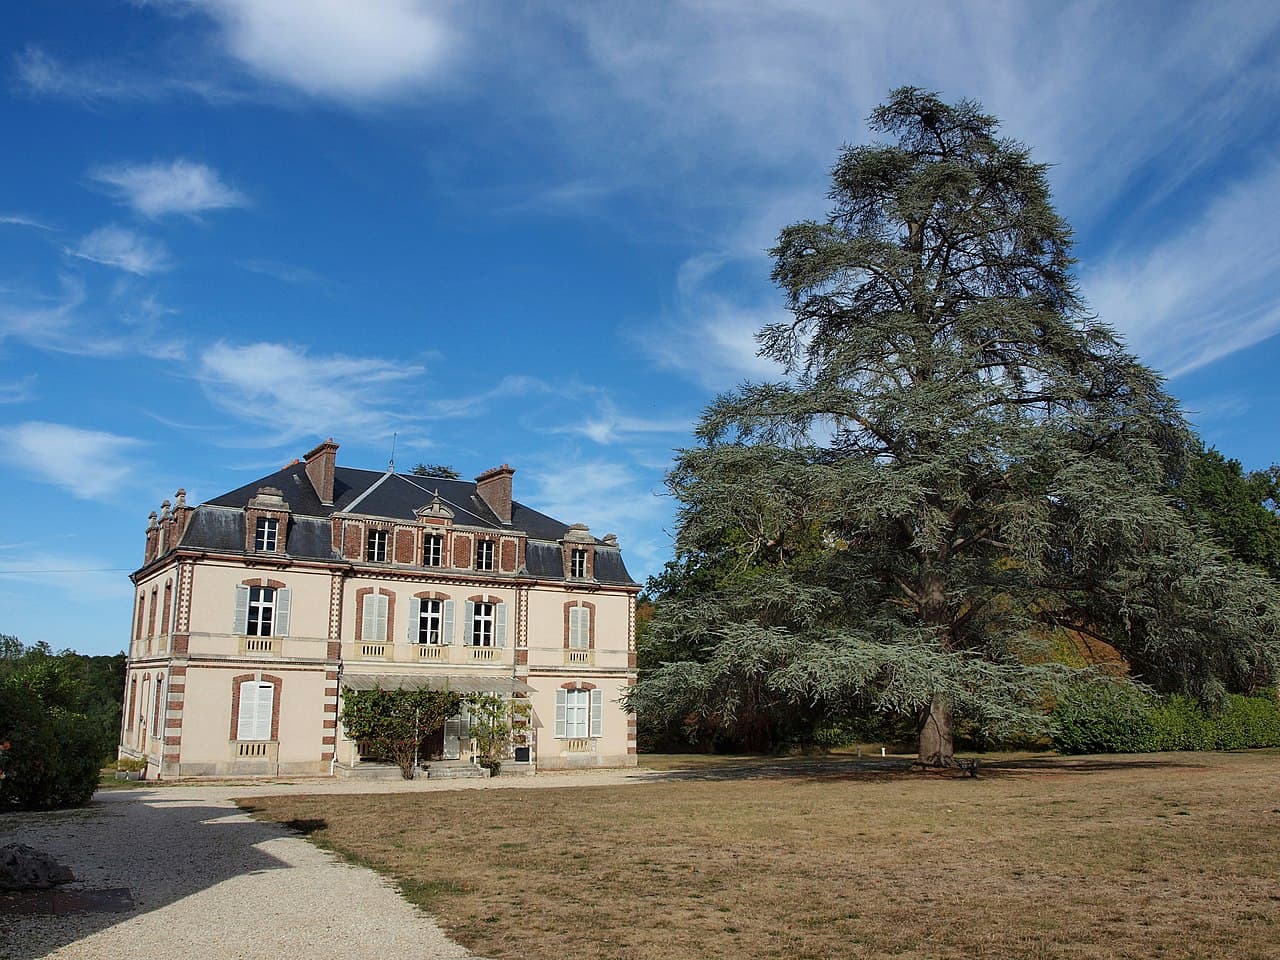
{"x": 49, "y": 758}
{"x": 1112, "y": 718}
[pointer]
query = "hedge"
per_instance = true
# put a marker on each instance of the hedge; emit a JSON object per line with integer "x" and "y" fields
{"x": 1115, "y": 718}
{"x": 49, "y": 758}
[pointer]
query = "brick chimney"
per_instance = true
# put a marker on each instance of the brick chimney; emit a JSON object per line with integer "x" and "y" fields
{"x": 320, "y": 465}
{"x": 494, "y": 487}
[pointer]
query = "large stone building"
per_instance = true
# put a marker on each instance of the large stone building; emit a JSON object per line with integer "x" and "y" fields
{"x": 256, "y": 610}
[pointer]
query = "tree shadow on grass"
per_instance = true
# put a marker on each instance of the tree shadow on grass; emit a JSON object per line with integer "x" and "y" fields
{"x": 132, "y": 852}
{"x": 902, "y": 768}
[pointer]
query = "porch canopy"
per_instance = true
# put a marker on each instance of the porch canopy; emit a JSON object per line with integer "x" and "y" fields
{"x": 458, "y": 683}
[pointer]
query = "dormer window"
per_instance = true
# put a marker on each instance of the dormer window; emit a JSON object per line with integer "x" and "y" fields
{"x": 433, "y": 550}
{"x": 484, "y": 554}
{"x": 375, "y": 550}
{"x": 265, "y": 534}
{"x": 578, "y": 564}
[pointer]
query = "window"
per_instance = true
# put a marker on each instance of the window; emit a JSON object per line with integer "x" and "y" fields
{"x": 484, "y": 554}
{"x": 431, "y": 622}
{"x": 264, "y": 537}
{"x": 578, "y": 713}
{"x": 373, "y": 627}
{"x": 257, "y": 701}
{"x": 433, "y": 550}
{"x": 579, "y": 628}
{"x": 262, "y": 611}
{"x": 578, "y": 564}
{"x": 156, "y": 726}
{"x": 482, "y": 625}
{"x": 375, "y": 549}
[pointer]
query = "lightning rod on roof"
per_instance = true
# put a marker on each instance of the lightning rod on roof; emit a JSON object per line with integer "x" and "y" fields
{"x": 391, "y": 464}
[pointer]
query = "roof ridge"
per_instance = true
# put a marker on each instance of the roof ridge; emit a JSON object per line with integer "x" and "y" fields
{"x": 368, "y": 490}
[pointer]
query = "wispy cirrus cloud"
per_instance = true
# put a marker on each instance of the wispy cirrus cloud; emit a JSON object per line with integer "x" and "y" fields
{"x": 1207, "y": 290}
{"x": 88, "y": 464}
{"x": 124, "y": 249}
{"x": 609, "y": 425}
{"x": 18, "y": 391}
{"x": 40, "y": 73}
{"x": 21, "y": 220}
{"x": 285, "y": 393}
{"x": 176, "y": 187}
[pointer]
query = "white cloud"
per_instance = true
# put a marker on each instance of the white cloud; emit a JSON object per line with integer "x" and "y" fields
{"x": 286, "y": 394}
{"x": 331, "y": 48}
{"x": 88, "y": 464}
{"x": 19, "y": 220}
{"x": 179, "y": 186}
{"x": 609, "y": 498}
{"x": 41, "y": 74}
{"x": 284, "y": 272}
{"x": 124, "y": 249}
{"x": 71, "y": 578}
{"x": 609, "y": 425}
{"x": 1206, "y": 291}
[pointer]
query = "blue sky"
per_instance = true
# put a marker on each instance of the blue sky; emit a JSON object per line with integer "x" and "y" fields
{"x": 535, "y": 234}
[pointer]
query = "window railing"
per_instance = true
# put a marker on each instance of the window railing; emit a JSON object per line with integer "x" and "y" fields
{"x": 260, "y": 645}
{"x": 432, "y": 652}
{"x": 374, "y": 651}
{"x": 580, "y": 657}
{"x": 255, "y": 750}
{"x": 484, "y": 653}
{"x": 577, "y": 745}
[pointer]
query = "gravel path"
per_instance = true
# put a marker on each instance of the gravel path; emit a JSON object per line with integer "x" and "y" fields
{"x": 209, "y": 881}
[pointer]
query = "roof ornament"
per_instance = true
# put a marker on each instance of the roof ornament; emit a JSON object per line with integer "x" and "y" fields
{"x": 391, "y": 464}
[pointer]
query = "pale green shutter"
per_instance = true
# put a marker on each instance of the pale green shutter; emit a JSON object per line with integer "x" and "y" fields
{"x": 415, "y": 619}
{"x": 447, "y": 630}
{"x": 241, "y": 624}
{"x": 597, "y": 708}
{"x": 265, "y": 701}
{"x": 383, "y": 601}
{"x": 284, "y": 597}
{"x": 468, "y": 621}
{"x": 500, "y": 624}
{"x": 369, "y": 617}
{"x": 560, "y": 708}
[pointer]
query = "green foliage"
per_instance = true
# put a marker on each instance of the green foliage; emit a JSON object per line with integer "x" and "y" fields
{"x": 60, "y": 719}
{"x": 435, "y": 470}
{"x": 490, "y": 723}
{"x": 394, "y": 723}
{"x": 960, "y": 459}
{"x": 1238, "y": 509}
{"x": 1121, "y": 718}
{"x": 49, "y": 757}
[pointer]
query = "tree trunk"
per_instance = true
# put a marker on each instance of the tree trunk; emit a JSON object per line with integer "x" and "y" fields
{"x": 936, "y": 723}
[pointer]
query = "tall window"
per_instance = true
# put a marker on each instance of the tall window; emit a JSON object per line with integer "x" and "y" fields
{"x": 578, "y": 713}
{"x": 431, "y": 622}
{"x": 578, "y": 563}
{"x": 262, "y": 611}
{"x": 482, "y": 625}
{"x": 257, "y": 701}
{"x": 484, "y": 554}
{"x": 433, "y": 550}
{"x": 579, "y": 628}
{"x": 264, "y": 537}
{"x": 375, "y": 548}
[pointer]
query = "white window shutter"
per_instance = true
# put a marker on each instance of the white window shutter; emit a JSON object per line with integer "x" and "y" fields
{"x": 575, "y": 628}
{"x": 266, "y": 700}
{"x": 415, "y": 618}
{"x": 245, "y": 722}
{"x": 560, "y": 706}
{"x": 369, "y": 617}
{"x": 597, "y": 708}
{"x": 284, "y": 597}
{"x": 500, "y": 624}
{"x": 447, "y": 629}
{"x": 241, "y": 624}
{"x": 383, "y": 601}
{"x": 468, "y": 620}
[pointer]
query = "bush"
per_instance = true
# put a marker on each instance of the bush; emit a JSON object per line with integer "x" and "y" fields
{"x": 1114, "y": 718}
{"x": 1103, "y": 718}
{"x": 52, "y": 757}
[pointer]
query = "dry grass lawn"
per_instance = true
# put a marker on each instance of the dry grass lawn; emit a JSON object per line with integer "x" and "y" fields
{"x": 1170, "y": 856}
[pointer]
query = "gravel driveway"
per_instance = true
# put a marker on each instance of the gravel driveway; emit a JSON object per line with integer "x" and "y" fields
{"x": 207, "y": 881}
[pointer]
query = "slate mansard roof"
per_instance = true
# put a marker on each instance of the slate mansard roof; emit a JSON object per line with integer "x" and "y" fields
{"x": 219, "y": 524}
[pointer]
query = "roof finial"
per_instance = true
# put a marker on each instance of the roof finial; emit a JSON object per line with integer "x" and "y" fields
{"x": 391, "y": 464}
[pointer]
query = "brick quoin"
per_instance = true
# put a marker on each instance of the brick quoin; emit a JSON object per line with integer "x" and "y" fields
{"x": 334, "y": 652}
